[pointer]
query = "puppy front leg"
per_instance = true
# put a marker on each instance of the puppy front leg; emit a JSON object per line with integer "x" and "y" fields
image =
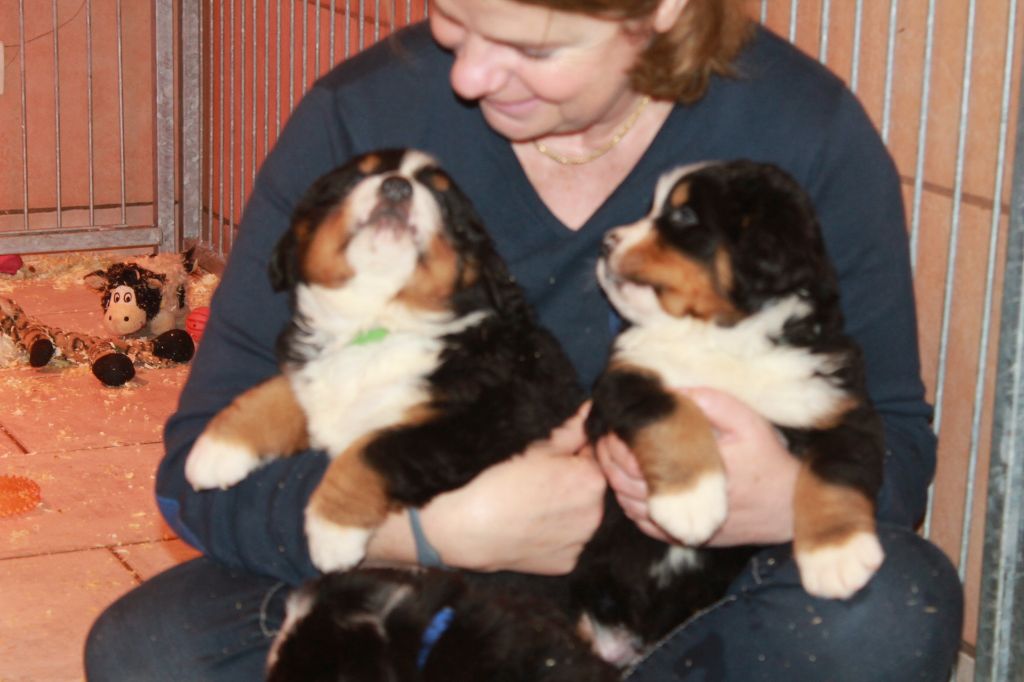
{"x": 674, "y": 446}
{"x": 834, "y": 538}
{"x": 348, "y": 505}
{"x": 681, "y": 464}
{"x": 261, "y": 423}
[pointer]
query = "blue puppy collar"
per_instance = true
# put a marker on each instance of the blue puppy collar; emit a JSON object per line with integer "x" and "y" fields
{"x": 435, "y": 630}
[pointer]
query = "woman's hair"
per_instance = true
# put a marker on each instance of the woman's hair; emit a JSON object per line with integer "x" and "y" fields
{"x": 678, "y": 63}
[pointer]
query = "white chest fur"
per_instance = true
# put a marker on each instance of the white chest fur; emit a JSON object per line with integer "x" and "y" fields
{"x": 350, "y": 391}
{"x": 789, "y": 386}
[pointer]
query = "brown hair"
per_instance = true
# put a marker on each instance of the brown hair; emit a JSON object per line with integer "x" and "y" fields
{"x": 678, "y": 63}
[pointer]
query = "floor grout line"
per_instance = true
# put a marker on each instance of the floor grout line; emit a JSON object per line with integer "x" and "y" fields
{"x": 128, "y": 567}
{"x": 14, "y": 439}
{"x": 110, "y": 548}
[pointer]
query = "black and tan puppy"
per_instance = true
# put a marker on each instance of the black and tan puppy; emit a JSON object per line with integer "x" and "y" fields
{"x": 726, "y": 284}
{"x": 412, "y": 358}
{"x": 377, "y": 625}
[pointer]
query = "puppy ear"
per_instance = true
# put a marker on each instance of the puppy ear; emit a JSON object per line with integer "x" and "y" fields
{"x": 281, "y": 267}
{"x": 780, "y": 243}
{"x": 500, "y": 287}
{"x": 493, "y": 279}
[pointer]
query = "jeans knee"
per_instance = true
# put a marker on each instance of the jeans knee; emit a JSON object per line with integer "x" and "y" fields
{"x": 917, "y": 594}
{"x": 100, "y": 656}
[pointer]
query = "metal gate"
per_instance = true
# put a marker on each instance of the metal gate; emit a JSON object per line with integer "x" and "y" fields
{"x": 86, "y": 125}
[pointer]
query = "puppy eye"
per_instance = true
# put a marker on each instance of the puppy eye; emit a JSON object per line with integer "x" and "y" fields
{"x": 435, "y": 179}
{"x": 683, "y": 216}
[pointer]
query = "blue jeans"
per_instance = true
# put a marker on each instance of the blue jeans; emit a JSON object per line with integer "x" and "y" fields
{"x": 200, "y": 621}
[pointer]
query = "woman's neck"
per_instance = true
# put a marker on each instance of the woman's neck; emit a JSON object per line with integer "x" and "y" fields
{"x": 574, "y": 192}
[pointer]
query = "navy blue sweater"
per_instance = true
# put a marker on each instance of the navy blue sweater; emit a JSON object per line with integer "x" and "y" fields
{"x": 781, "y": 107}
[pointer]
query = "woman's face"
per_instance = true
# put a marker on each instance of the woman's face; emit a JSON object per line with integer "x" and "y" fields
{"x": 535, "y": 71}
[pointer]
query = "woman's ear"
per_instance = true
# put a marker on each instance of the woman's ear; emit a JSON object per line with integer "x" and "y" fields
{"x": 667, "y": 14}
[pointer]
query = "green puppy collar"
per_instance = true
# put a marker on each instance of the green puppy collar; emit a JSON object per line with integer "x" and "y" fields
{"x": 368, "y": 336}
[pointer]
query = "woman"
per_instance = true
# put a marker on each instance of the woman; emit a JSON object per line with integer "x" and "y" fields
{"x": 556, "y": 117}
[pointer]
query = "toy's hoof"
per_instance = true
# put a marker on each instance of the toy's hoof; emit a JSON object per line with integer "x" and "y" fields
{"x": 114, "y": 369}
{"x": 40, "y": 353}
{"x": 175, "y": 345}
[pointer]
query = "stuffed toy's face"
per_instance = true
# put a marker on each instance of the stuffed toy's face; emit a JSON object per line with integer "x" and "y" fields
{"x": 123, "y": 315}
{"x": 131, "y": 296}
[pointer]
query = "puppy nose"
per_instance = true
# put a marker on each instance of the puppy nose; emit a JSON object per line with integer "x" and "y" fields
{"x": 396, "y": 189}
{"x": 611, "y": 240}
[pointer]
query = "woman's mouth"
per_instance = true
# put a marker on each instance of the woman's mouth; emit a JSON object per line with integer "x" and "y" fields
{"x": 510, "y": 108}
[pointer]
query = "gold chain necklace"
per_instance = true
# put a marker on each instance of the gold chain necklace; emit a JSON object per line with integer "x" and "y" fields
{"x": 616, "y": 138}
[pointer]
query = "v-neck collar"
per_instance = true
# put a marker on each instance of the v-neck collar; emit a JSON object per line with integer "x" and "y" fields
{"x": 633, "y": 191}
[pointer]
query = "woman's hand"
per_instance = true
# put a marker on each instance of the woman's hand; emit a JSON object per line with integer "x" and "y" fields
{"x": 760, "y": 475}
{"x": 532, "y": 513}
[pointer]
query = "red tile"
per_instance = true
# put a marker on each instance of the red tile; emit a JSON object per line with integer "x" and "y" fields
{"x": 48, "y": 604}
{"x": 150, "y": 558}
{"x": 91, "y": 498}
{"x": 62, "y": 408}
{"x": 42, "y": 297}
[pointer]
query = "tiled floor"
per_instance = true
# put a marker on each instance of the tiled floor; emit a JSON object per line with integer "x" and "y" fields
{"x": 93, "y": 450}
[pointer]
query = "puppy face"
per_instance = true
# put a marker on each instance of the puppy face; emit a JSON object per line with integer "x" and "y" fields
{"x": 387, "y": 226}
{"x": 720, "y": 241}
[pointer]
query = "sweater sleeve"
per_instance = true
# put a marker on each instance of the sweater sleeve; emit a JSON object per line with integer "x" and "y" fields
{"x": 857, "y": 190}
{"x": 257, "y": 524}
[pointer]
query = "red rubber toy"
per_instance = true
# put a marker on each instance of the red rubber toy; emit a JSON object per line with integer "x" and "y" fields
{"x": 18, "y": 495}
{"x": 195, "y": 323}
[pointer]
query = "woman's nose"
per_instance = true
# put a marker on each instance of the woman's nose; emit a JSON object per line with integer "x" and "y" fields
{"x": 478, "y": 70}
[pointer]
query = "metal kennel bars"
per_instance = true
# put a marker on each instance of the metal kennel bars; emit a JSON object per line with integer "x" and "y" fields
{"x": 86, "y": 125}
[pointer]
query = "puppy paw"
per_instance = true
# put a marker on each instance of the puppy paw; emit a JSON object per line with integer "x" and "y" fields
{"x": 838, "y": 571}
{"x": 333, "y": 547}
{"x": 693, "y": 515}
{"x": 214, "y": 463}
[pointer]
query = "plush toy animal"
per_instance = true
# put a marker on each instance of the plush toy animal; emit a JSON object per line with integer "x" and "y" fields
{"x": 138, "y": 301}
{"x": 112, "y": 361}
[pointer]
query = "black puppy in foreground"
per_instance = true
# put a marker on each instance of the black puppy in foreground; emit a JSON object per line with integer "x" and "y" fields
{"x": 383, "y": 625}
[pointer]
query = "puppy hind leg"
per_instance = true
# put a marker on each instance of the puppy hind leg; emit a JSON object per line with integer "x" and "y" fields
{"x": 834, "y": 538}
{"x": 261, "y": 423}
{"x": 344, "y": 510}
{"x": 681, "y": 464}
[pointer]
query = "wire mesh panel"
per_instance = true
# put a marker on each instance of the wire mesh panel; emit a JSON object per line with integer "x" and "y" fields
{"x": 940, "y": 81}
{"x": 77, "y": 123}
{"x": 255, "y": 60}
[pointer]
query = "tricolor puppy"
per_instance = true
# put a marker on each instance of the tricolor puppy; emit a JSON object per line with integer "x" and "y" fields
{"x": 726, "y": 284}
{"x": 412, "y": 358}
{"x": 377, "y": 625}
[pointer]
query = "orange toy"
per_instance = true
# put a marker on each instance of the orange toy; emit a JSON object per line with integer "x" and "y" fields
{"x": 18, "y": 495}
